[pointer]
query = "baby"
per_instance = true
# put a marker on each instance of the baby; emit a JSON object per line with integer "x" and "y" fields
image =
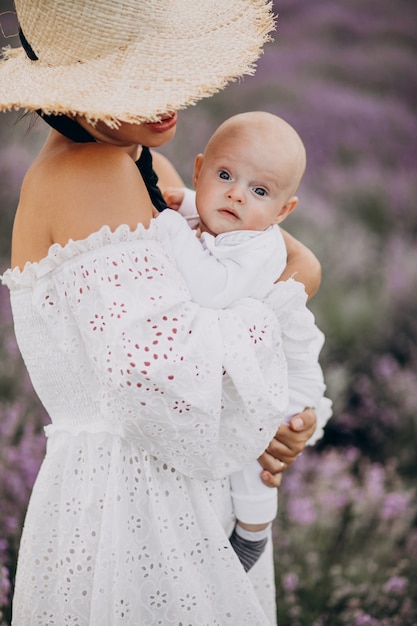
{"x": 245, "y": 185}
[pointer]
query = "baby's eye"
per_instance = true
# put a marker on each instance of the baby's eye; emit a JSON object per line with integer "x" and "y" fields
{"x": 224, "y": 175}
{"x": 260, "y": 191}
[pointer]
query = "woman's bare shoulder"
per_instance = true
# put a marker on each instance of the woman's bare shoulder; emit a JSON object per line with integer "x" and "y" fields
{"x": 72, "y": 192}
{"x": 97, "y": 184}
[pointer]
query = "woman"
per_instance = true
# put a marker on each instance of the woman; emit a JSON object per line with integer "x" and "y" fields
{"x": 154, "y": 401}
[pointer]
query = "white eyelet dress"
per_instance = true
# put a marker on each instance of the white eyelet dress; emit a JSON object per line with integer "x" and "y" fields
{"x": 154, "y": 402}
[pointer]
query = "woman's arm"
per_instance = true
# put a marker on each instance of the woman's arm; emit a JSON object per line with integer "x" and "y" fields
{"x": 302, "y": 265}
{"x": 291, "y": 438}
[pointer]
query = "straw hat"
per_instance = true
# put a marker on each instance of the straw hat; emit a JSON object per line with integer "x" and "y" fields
{"x": 130, "y": 60}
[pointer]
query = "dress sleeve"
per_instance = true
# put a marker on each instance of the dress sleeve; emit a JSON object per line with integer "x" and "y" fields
{"x": 302, "y": 342}
{"x": 200, "y": 389}
{"x": 220, "y": 270}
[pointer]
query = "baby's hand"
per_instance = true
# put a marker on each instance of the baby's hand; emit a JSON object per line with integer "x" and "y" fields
{"x": 174, "y": 196}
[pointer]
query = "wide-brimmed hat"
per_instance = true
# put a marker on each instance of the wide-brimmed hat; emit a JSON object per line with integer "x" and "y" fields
{"x": 129, "y": 60}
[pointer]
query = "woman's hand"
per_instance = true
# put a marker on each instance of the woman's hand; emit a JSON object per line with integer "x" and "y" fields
{"x": 288, "y": 443}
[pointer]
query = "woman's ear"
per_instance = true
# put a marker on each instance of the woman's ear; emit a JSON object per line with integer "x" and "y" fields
{"x": 285, "y": 210}
{"x": 197, "y": 168}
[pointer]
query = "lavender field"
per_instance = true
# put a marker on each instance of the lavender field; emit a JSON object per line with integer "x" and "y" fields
{"x": 344, "y": 74}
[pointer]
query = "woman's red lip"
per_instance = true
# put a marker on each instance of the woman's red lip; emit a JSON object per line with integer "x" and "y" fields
{"x": 166, "y": 123}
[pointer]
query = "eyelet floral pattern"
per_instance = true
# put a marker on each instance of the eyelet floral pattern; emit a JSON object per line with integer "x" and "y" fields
{"x": 154, "y": 401}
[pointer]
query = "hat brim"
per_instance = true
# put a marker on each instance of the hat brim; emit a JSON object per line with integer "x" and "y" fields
{"x": 143, "y": 81}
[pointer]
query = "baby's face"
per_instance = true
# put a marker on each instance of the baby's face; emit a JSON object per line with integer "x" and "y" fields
{"x": 240, "y": 184}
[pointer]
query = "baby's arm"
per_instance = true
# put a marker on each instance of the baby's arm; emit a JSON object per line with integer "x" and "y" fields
{"x": 232, "y": 266}
{"x": 174, "y": 197}
{"x": 302, "y": 264}
{"x": 182, "y": 199}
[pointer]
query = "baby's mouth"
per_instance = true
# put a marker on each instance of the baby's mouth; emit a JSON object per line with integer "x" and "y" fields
{"x": 229, "y": 212}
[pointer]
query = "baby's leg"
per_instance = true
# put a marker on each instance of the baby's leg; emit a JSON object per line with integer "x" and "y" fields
{"x": 249, "y": 544}
{"x": 255, "y": 506}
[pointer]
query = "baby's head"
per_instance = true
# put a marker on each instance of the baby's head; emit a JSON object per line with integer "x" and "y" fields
{"x": 249, "y": 173}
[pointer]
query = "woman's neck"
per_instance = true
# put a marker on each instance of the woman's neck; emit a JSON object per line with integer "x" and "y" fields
{"x": 102, "y": 133}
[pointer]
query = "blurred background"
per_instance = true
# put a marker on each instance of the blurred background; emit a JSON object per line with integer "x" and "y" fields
{"x": 344, "y": 75}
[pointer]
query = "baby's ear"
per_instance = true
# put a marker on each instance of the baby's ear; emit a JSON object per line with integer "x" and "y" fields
{"x": 286, "y": 209}
{"x": 197, "y": 167}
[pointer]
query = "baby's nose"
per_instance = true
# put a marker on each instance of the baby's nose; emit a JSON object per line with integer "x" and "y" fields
{"x": 236, "y": 194}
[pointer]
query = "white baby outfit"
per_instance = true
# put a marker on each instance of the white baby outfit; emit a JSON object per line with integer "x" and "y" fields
{"x": 220, "y": 270}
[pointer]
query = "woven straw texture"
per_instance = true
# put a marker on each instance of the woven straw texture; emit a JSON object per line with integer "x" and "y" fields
{"x": 130, "y": 60}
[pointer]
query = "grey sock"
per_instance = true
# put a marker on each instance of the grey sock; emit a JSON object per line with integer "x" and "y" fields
{"x": 247, "y": 551}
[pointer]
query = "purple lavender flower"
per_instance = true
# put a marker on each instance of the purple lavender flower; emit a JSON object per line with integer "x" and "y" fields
{"x": 395, "y": 505}
{"x": 301, "y": 510}
{"x": 397, "y": 585}
{"x": 4, "y": 586}
{"x": 363, "y": 619}
{"x": 291, "y": 582}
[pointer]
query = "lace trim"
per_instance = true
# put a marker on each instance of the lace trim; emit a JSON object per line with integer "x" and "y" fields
{"x": 58, "y": 255}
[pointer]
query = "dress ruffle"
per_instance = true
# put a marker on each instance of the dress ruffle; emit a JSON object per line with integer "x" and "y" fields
{"x": 14, "y": 278}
